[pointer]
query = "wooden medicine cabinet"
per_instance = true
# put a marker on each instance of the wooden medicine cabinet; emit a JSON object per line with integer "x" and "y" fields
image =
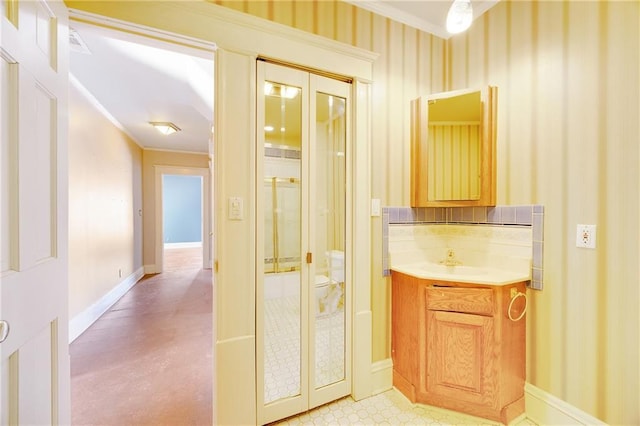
{"x": 453, "y": 145}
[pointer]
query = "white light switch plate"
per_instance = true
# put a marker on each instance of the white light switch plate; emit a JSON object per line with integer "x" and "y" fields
{"x": 375, "y": 207}
{"x": 236, "y": 208}
{"x": 586, "y": 236}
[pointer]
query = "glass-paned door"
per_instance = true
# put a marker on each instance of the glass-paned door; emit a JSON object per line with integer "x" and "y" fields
{"x": 303, "y": 295}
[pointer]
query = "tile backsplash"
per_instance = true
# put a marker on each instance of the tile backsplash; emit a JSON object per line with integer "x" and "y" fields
{"x": 522, "y": 230}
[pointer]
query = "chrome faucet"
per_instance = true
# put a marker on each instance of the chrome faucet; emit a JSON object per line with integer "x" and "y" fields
{"x": 451, "y": 259}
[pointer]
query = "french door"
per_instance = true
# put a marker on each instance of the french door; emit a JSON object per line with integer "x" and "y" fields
{"x": 303, "y": 303}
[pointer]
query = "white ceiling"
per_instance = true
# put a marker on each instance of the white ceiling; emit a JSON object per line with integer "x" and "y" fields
{"x": 138, "y": 80}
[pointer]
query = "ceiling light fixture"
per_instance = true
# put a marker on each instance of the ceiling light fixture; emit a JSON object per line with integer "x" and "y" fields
{"x": 165, "y": 128}
{"x": 460, "y": 16}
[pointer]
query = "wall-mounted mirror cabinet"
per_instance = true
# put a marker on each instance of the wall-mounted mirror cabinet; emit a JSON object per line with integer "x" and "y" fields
{"x": 453, "y": 140}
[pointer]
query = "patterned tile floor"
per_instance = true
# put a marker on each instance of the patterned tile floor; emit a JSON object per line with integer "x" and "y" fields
{"x": 388, "y": 408}
{"x": 282, "y": 348}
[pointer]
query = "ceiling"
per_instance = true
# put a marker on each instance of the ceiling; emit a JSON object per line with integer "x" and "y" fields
{"x": 135, "y": 80}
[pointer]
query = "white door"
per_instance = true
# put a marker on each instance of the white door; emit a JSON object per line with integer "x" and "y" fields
{"x": 303, "y": 306}
{"x": 34, "y": 357}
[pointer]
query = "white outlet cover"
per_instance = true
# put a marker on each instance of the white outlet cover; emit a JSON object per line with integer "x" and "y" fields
{"x": 586, "y": 236}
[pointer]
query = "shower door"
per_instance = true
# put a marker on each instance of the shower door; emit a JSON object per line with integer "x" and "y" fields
{"x": 303, "y": 303}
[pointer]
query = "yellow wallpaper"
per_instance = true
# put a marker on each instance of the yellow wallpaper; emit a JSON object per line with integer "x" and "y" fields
{"x": 568, "y": 137}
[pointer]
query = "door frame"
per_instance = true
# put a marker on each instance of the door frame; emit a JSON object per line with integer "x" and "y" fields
{"x": 205, "y": 173}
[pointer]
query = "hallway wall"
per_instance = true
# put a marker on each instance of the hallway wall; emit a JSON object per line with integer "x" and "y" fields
{"x": 105, "y": 195}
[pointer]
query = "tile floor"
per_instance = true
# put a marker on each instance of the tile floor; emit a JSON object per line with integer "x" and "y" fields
{"x": 282, "y": 348}
{"x": 390, "y": 408}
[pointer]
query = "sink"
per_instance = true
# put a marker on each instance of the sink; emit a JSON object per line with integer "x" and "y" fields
{"x": 452, "y": 270}
{"x": 463, "y": 273}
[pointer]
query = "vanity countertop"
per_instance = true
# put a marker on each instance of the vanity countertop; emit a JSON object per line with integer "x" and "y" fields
{"x": 463, "y": 274}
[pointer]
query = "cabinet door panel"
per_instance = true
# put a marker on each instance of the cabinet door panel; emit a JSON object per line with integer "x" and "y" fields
{"x": 460, "y": 357}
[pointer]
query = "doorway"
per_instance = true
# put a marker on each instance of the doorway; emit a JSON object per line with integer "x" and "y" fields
{"x": 303, "y": 308}
{"x": 189, "y": 200}
{"x": 182, "y": 221}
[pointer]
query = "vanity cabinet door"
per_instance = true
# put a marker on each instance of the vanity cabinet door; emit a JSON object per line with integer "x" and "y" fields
{"x": 460, "y": 360}
{"x": 404, "y": 333}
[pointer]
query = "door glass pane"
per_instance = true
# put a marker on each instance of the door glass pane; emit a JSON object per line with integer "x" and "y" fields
{"x": 330, "y": 197}
{"x": 282, "y": 263}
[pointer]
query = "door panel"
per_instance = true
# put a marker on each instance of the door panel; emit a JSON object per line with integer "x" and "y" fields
{"x": 34, "y": 360}
{"x": 8, "y": 179}
{"x": 303, "y": 302}
{"x": 38, "y": 180}
{"x": 282, "y": 298}
{"x": 460, "y": 358}
{"x": 329, "y": 332}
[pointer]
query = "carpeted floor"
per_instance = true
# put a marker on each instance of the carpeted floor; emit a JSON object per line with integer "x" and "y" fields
{"x": 148, "y": 360}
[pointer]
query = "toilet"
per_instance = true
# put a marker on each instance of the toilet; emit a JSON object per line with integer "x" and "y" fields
{"x": 330, "y": 289}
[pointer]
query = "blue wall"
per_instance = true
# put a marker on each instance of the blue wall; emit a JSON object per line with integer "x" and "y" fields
{"x": 182, "y": 208}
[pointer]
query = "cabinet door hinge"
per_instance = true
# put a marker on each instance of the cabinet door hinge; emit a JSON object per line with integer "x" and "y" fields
{"x": 309, "y": 257}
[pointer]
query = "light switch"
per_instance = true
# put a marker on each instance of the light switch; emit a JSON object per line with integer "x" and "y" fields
{"x": 375, "y": 207}
{"x": 236, "y": 208}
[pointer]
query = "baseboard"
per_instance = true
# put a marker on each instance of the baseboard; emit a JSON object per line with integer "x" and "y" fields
{"x": 149, "y": 269}
{"x": 546, "y": 409}
{"x": 381, "y": 376}
{"x": 83, "y": 320}
{"x": 183, "y": 245}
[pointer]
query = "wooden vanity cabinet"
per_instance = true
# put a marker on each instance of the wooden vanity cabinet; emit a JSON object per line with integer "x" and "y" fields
{"x": 454, "y": 346}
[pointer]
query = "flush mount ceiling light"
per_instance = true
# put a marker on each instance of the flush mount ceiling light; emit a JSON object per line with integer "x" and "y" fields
{"x": 165, "y": 128}
{"x": 460, "y": 16}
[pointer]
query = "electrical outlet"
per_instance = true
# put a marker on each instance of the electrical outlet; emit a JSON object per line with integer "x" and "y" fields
{"x": 586, "y": 236}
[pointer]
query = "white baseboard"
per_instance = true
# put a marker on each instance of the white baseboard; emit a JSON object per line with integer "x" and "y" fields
{"x": 546, "y": 409}
{"x": 381, "y": 376}
{"x": 83, "y": 320}
{"x": 182, "y": 245}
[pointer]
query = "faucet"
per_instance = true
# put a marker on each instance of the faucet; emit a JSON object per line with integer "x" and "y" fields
{"x": 451, "y": 259}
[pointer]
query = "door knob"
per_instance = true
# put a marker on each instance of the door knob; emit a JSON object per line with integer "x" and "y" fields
{"x": 4, "y": 330}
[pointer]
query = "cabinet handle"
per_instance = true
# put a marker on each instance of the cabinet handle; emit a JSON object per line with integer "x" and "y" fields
{"x": 513, "y": 299}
